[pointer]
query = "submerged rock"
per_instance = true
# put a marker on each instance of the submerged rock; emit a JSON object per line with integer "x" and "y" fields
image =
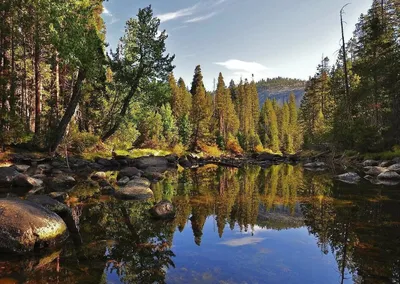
{"x": 375, "y": 171}
{"x": 351, "y": 178}
{"x": 137, "y": 189}
{"x": 184, "y": 162}
{"x": 389, "y": 175}
{"x": 7, "y": 175}
{"x": 59, "y": 196}
{"x": 25, "y": 181}
{"x": 163, "y": 210}
{"x": 26, "y": 226}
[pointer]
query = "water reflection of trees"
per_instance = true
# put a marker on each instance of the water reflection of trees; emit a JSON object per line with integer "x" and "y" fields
{"x": 120, "y": 238}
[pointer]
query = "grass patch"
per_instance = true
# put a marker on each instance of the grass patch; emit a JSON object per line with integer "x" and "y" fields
{"x": 387, "y": 155}
{"x": 135, "y": 153}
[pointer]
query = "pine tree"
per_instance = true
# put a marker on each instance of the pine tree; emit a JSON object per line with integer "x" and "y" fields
{"x": 201, "y": 109}
{"x": 269, "y": 126}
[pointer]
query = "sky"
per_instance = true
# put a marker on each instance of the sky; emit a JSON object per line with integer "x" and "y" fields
{"x": 239, "y": 38}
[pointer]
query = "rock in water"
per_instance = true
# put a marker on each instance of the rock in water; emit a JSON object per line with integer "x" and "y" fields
{"x": 123, "y": 181}
{"x": 135, "y": 190}
{"x": 99, "y": 175}
{"x": 371, "y": 163}
{"x": 26, "y": 226}
{"x": 128, "y": 172}
{"x": 351, "y": 178}
{"x": 7, "y": 175}
{"x": 315, "y": 165}
{"x": 25, "y": 181}
{"x": 375, "y": 171}
{"x": 395, "y": 168}
{"x": 61, "y": 183}
{"x": 57, "y": 207}
{"x": 389, "y": 176}
{"x": 163, "y": 210}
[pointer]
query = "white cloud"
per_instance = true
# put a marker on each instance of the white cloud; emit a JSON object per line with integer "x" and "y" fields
{"x": 245, "y": 69}
{"x": 201, "y": 18}
{"x": 160, "y": 32}
{"x": 219, "y": 2}
{"x": 177, "y": 14}
{"x": 106, "y": 12}
{"x": 242, "y": 241}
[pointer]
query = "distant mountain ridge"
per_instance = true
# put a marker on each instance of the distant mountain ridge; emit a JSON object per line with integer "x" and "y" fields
{"x": 280, "y": 89}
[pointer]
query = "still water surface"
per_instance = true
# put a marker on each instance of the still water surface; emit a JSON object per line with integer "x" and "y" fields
{"x": 252, "y": 225}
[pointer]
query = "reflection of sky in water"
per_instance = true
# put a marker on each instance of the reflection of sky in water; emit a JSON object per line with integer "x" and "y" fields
{"x": 264, "y": 256}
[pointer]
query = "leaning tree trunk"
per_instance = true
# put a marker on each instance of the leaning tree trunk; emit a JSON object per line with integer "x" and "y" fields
{"x": 69, "y": 112}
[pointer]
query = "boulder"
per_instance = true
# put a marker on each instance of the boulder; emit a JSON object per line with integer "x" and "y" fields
{"x": 141, "y": 182}
{"x": 57, "y": 207}
{"x": 128, "y": 172}
{"x": 123, "y": 181}
{"x": 389, "y": 175}
{"x": 99, "y": 175}
{"x": 315, "y": 165}
{"x": 134, "y": 190}
{"x": 26, "y": 226}
{"x": 184, "y": 162}
{"x": 351, "y": 178}
{"x": 172, "y": 158}
{"x": 22, "y": 180}
{"x": 21, "y": 168}
{"x": 385, "y": 164}
{"x": 7, "y": 175}
{"x": 396, "y": 160}
{"x": 45, "y": 167}
{"x": 371, "y": 163}
{"x": 163, "y": 210}
{"x": 61, "y": 183}
{"x": 374, "y": 171}
{"x": 107, "y": 163}
{"x": 156, "y": 162}
{"x": 394, "y": 168}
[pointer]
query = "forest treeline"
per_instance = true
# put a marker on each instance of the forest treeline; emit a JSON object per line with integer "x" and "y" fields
{"x": 362, "y": 112}
{"x": 60, "y": 87}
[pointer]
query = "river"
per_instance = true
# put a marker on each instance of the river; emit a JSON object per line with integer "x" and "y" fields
{"x": 282, "y": 224}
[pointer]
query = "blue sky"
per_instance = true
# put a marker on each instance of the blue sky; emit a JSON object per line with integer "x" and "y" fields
{"x": 242, "y": 37}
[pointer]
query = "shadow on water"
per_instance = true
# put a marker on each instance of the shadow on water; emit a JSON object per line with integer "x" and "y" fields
{"x": 232, "y": 225}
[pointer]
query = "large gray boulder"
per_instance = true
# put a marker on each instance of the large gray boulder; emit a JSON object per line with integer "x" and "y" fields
{"x": 26, "y": 226}
{"x": 351, "y": 178}
{"x": 57, "y": 207}
{"x": 315, "y": 165}
{"x": 7, "y": 175}
{"x": 389, "y": 176}
{"x": 135, "y": 190}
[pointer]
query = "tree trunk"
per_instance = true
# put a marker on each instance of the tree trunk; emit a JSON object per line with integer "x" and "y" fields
{"x": 69, "y": 112}
{"x": 38, "y": 79}
{"x": 124, "y": 108}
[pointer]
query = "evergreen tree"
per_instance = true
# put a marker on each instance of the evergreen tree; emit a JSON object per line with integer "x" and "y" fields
{"x": 201, "y": 109}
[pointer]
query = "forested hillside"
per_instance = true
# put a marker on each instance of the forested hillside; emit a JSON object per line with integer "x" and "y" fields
{"x": 279, "y": 89}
